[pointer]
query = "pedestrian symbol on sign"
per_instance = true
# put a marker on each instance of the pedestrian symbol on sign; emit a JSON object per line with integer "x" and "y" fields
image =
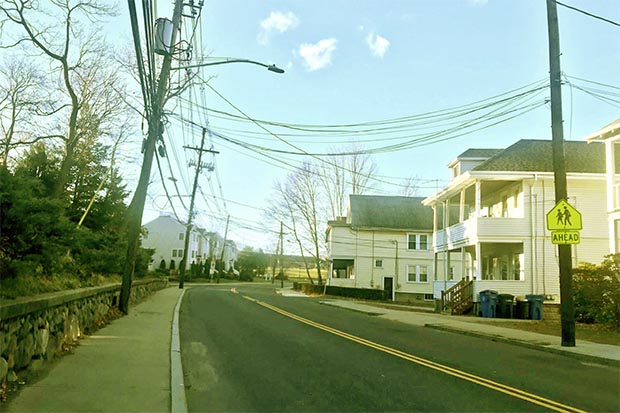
{"x": 563, "y": 216}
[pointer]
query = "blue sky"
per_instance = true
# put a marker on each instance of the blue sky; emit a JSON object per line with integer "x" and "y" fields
{"x": 361, "y": 61}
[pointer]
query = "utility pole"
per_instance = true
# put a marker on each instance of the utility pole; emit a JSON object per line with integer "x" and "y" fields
{"x": 275, "y": 262}
{"x": 191, "y": 204}
{"x": 136, "y": 207}
{"x": 281, "y": 258}
{"x": 223, "y": 246}
{"x": 567, "y": 307}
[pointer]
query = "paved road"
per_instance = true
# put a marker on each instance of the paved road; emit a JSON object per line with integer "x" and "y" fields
{"x": 253, "y": 350}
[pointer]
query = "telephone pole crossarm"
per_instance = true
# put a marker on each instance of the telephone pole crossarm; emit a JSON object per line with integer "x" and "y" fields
{"x": 201, "y": 149}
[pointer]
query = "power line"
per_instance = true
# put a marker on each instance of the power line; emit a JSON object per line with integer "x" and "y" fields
{"x": 587, "y": 14}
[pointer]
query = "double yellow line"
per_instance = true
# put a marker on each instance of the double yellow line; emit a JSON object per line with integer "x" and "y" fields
{"x": 502, "y": 388}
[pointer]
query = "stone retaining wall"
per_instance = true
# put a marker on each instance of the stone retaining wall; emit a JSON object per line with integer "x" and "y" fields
{"x": 35, "y": 329}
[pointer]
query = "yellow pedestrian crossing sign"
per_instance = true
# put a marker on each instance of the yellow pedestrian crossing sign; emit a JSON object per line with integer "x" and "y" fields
{"x": 563, "y": 216}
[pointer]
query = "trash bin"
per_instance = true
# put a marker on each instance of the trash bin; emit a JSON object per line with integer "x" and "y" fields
{"x": 505, "y": 305}
{"x": 536, "y": 306}
{"x": 522, "y": 310}
{"x": 488, "y": 303}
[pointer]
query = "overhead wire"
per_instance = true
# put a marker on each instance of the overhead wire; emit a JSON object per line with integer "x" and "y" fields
{"x": 587, "y": 13}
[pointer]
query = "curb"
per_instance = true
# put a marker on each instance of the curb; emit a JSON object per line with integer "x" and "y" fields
{"x": 356, "y": 310}
{"x": 541, "y": 347}
{"x": 178, "y": 403}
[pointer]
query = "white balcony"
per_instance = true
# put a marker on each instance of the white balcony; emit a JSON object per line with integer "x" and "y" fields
{"x": 470, "y": 231}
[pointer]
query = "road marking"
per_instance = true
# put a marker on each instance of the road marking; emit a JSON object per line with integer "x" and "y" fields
{"x": 502, "y": 388}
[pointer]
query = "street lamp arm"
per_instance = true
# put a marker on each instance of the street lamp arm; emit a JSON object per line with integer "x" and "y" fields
{"x": 271, "y": 67}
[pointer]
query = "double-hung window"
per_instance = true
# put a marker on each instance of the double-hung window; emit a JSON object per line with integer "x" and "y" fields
{"x": 417, "y": 241}
{"x": 417, "y": 273}
{"x": 177, "y": 253}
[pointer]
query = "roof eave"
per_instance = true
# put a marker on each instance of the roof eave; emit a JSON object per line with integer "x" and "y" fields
{"x": 608, "y": 132}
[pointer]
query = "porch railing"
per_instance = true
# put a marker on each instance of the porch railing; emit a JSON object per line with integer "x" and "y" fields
{"x": 459, "y": 298}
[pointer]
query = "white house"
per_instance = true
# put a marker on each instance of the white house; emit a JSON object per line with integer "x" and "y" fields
{"x": 610, "y": 136}
{"x": 166, "y": 236}
{"x": 384, "y": 242}
{"x": 493, "y": 216}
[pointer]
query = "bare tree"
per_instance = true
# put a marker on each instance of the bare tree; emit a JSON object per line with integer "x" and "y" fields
{"x": 298, "y": 205}
{"x": 360, "y": 168}
{"x": 333, "y": 176}
{"x": 350, "y": 173}
{"x": 22, "y": 106}
{"x": 410, "y": 186}
{"x": 66, "y": 45}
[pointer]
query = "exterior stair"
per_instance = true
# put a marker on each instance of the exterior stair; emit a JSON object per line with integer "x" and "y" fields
{"x": 459, "y": 298}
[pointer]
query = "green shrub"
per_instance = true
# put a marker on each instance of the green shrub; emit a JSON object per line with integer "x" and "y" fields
{"x": 596, "y": 290}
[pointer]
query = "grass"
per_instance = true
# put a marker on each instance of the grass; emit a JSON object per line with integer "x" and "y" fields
{"x": 595, "y": 333}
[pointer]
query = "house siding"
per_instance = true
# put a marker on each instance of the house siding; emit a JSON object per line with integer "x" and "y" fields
{"x": 535, "y": 197}
{"x": 367, "y": 246}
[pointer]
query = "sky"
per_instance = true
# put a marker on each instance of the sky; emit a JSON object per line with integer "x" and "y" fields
{"x": 356, "y": 62}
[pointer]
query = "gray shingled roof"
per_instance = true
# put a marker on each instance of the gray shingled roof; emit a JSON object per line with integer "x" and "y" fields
{"x": 535, "y": 156}
{"x": 390, "y": 212}
{"x": 479, "y": 153}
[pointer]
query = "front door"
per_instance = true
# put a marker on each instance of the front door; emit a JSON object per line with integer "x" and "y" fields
{"x": 388, "y": 288}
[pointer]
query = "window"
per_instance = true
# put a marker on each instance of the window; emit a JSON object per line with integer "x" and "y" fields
{"x": 417, "y": 241}
{"x": 193, "y": 254}
{"x": 379, "y": 263}
{"x": 423, "y": 274}
{"x": 177, "y": 253}
{"x": 428, "y": 297}
{"x": 506, "y": 268}
{"x": 417, "y": 273}
{"x": 181, "y": 236}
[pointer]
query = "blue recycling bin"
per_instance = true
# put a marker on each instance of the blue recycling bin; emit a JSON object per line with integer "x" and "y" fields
{"x": 488, "y": 303}
{"x": 536, "y": 306}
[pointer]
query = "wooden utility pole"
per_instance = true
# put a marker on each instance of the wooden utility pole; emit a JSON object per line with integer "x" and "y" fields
{"x": 281, "y": 258}
{"x": 136, "y": 207}
{"x": 275, "y": 262}
{"x": 567, "y": 307}
{"x": 191, "y": 205}
{"x": 223, "y": 247}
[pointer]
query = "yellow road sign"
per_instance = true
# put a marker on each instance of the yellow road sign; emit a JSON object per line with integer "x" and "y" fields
{"x": 565, "y": 237}
{"x": 563, "y": 216}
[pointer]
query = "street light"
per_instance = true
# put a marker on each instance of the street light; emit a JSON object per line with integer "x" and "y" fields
{"x": 271, "y": 67}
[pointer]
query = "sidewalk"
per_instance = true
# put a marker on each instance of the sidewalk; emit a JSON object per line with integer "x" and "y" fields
{"x": 123, "y": 367}
{"x": 584, "y": 350}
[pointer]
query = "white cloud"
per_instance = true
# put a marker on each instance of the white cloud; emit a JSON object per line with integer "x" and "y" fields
{"x": 378, "y": 45}
{"x": 276, "y": 22}
{"x": 319, "y": 55}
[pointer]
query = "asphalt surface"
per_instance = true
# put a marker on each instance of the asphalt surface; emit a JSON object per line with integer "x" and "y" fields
{"x": 250, "y": 349}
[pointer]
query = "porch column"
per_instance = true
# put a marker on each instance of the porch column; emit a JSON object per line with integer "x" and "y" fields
{"x": 612, "y": 196}
{"x": 464, "y": 273}
{"x": 477, "y": 262}
{"x": 478, "y": 198}
{"x": 462, "y": 206}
